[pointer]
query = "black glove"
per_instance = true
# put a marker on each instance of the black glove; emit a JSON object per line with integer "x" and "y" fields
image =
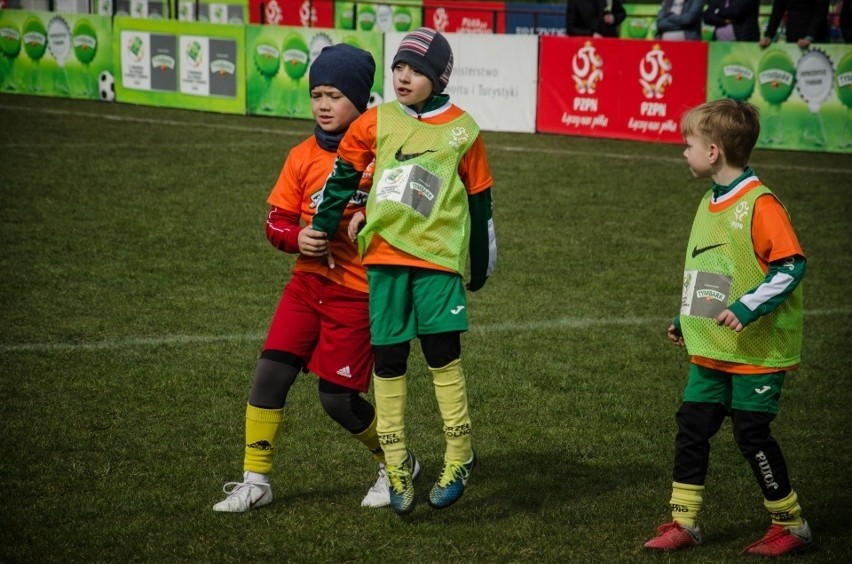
{"x": 475, "y": 284}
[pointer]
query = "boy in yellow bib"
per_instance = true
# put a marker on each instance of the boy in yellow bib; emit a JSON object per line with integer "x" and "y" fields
{"x": 429, "y": 206}
{"x": 741, "y": 322}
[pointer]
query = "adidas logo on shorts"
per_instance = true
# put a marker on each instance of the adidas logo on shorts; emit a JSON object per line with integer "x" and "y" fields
{"x": 345, "y": 372}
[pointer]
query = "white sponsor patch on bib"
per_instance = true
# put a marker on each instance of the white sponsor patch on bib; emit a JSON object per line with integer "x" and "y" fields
{"x": 411, "y": 185}
{"x": 705, "y": 294}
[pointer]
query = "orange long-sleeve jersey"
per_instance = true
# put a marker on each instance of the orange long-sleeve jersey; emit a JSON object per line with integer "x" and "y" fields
{"x": 300, "y": 182}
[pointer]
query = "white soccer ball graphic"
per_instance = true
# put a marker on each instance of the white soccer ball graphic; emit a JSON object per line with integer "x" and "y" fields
{"x": 106, "y": 86}
{"x": 375, "y": 99}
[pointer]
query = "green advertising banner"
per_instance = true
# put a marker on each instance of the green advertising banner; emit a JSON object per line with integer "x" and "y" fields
{"x": 804, "y": 97}
{"x": 278, "y": 60}
{"x": 51, "y": 54}
{"x": 402, "y": 15}
{"x": 231, "y": 12}
{"x": 180, "y": 64}
{"x": 149, "y": 9}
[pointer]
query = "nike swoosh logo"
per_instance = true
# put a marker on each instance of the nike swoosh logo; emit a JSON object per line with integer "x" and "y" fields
{"x": 763, "y": 389}
{"x": 696, "y": 251}
{"x": 402, "y": 157}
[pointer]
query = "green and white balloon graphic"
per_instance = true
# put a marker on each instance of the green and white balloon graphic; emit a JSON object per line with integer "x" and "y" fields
{"x": 34, "y": 38}
{"x": 59, "y": 45}
{"x": 345, "y": 12}
{"x": 10, "y": 47}
{"x": 267, "y": 61}
{"x": 35, "y": 45}
{"x": 814, "y": 81}
{"x": 85, "y": 42}
{"x": 736, "y": 77}
{"x": 384, "y": 18}
{"x": 295, "y": 58}
{"x": 637, "y": 28}
{"x": 402, "y": 19}
{"x": 843, "y": 81}
{"x": 318, "y": 42}
{"x": 366, "y": 17}
{"x": 776, "y": 77}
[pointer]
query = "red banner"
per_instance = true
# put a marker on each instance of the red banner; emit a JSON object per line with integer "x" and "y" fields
{"x": 619, "y": 88}
{"x": 457, "y": 16}
{"x": 299, "y": 13}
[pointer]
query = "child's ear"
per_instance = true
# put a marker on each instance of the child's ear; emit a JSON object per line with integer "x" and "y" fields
{"x": 715, "y": 153}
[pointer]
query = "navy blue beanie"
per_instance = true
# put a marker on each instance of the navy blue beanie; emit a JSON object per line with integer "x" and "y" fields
{"x": 347, "y": 68}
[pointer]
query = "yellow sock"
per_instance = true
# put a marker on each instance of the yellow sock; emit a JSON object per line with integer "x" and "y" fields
{"x": 390, "y": 394}
{"x": 262, "y": 427}
{"x": 370, "y": 439}
{"x": 786, "y": 512}
{"x": 686, "y": 503}
{"x": 452, "y": 401}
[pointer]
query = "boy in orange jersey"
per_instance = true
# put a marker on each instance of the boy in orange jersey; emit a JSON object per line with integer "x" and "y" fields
{"x": 430, "y": 204}
{"x": 741, "y": 322}
{"x": 322, "y": 319}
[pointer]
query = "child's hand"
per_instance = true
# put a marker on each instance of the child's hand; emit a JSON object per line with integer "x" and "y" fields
{"x": 675, "y": 336}
{"x": 312, "y": 243}
{"x": 728, "y": 319}
{"x": 355, "y": 225}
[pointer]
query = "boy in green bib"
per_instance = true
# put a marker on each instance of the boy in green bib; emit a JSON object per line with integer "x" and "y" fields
{"x": 428, "y": 208}
{"x": 741, "y": 322}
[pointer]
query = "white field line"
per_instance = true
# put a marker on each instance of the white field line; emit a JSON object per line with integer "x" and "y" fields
{"x": 182, "y": 124}
{"x": 565, "y": 323}
{"x": 491, "y": 147}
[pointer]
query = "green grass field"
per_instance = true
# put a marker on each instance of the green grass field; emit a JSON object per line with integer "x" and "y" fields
{"x": 137, "y": 285}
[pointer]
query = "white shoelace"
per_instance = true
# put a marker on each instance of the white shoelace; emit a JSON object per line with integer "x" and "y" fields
{"x": 237, "y": 487}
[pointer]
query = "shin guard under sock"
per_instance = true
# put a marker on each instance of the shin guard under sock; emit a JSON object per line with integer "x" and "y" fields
{"x": 390, "y": 395}
{"x": 370, "y": 439}
{"x": 262, "y": 427}
{"x": 451, "y": 394}
{"x": 786, "y": 512}
{"x": 686, "y": 503}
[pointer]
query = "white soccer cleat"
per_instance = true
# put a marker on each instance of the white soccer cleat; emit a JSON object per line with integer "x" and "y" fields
{"x": 245, "y": 495}
{"x": 379, "y": 494}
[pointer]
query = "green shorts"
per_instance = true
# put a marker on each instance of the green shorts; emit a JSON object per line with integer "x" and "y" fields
{"x": 406, "y": 302}
{"x": 746, "y": 392}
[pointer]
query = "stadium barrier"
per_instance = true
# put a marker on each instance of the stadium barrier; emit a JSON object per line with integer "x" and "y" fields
{"x": 614, "y": 88}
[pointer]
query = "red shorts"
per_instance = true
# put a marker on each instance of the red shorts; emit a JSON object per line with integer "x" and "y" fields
{"x": 328, "y": 326}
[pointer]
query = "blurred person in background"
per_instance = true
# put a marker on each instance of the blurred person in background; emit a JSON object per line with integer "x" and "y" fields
{"x": 596, "y": 18}
{"x": 807, "y": 22}
{"x": 846, "y": 20}
{"x": 680, "y": 19}
{"x": 734, "y": 20}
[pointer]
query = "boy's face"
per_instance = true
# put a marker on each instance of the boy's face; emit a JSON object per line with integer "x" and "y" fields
{"x": 332, "y": 110}
{"x": 411, "y": 87}
{"x": 698, "y": 156}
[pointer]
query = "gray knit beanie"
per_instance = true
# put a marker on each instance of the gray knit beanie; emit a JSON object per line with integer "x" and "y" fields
{"x": 429, "y": 52}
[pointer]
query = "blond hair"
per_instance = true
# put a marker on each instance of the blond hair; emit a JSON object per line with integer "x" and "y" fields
{"x": 733, "y": 126}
